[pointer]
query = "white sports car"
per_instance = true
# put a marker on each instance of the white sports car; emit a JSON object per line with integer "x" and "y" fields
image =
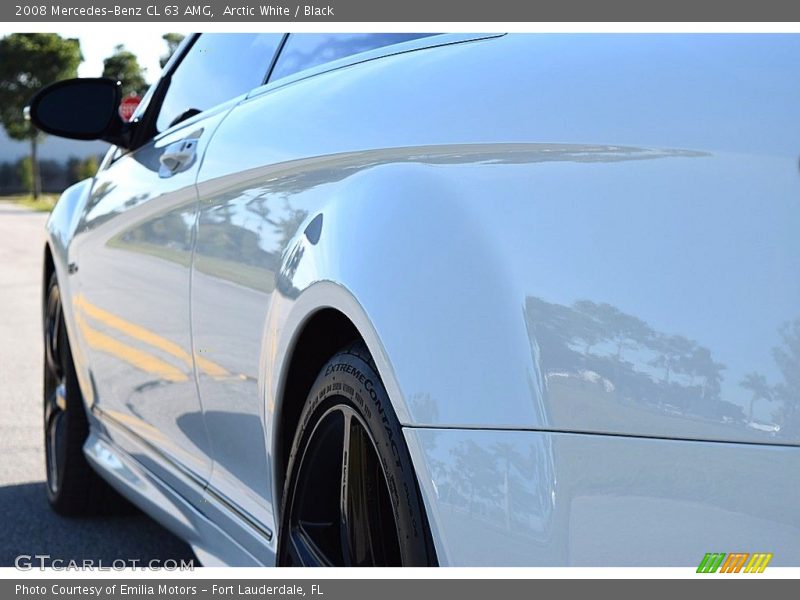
{"x": 397, "y": 299}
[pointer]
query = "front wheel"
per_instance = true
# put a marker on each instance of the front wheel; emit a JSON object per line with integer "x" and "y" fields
{"x": 351, "y": 496}
{"x": 73, "y": 488}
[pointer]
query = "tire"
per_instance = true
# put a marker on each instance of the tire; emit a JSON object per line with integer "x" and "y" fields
{"x": 351, "y": 497}
{"x": 73, "y": 487}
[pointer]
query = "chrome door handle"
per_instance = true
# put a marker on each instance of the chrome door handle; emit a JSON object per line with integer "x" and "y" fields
{"x": 177, "y": 157}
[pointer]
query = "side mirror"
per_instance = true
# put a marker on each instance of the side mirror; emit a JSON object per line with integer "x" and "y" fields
{"x": 80, "y": 109}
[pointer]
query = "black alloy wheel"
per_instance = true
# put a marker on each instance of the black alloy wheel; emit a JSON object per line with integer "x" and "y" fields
{"x": 351, "y": 497}
{"x": 55, "y": 391}
{"x": 73, "y": 488}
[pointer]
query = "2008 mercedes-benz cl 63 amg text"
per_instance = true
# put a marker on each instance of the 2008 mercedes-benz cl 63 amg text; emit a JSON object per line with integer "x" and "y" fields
{"x": 435, "y": 299}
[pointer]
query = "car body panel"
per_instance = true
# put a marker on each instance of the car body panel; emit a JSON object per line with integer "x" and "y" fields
{"x": 411, "y": 45}
{"x": 500, "y": 498}
{"x": 673, "y": 233}
{"x": 126, "y": 473}
{"x": 134, "y": 248}
{"x": 566, "y": 244}
{"x": 60, "y": 229}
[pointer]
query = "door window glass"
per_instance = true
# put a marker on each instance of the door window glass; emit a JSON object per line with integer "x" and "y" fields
{"x": 305, "y": 50}
{"x": 217, "y": 68}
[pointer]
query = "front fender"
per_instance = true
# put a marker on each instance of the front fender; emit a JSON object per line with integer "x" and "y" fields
{"x": 64, "y": 218}
{"x": 411, "y": 267}
{"x": 60, "y": 230}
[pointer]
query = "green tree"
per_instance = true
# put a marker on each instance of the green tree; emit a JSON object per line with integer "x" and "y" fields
{"x": 756, "y": 383}
{"x": 173, "y": 41}
{"x": 73, "y": 169}
{"x": 80, "y": 169}
{"x": 124, "y": 67}
{"x": 787, "y": 357}
{"x": 25, "y": 173}
{"x": 28, "y": 62}
{"x": 88, "y": 168}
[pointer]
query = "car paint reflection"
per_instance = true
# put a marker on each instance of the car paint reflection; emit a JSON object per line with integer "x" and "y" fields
{"x": 595, "y": 500}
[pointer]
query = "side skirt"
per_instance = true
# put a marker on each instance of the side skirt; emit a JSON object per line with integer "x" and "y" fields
{"x": 204, "y": 528}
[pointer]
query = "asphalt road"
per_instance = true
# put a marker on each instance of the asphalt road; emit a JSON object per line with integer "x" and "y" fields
{"x": 27, "y": 525}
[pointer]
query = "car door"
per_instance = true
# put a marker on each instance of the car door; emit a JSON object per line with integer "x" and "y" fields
{"x": 134, "y": 254}
{"x": 245, "y": 224}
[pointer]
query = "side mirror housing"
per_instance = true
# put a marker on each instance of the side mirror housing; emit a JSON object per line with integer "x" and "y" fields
{"x": 81, "y": 109}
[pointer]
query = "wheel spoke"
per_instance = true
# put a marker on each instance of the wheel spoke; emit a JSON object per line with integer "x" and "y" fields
{"x": 344, "y": 487}
{"x": 61, "y": 438}
{"x": 304, "y": 549}
{"x": 314, "y": 517}
{"x": 358, "y": 498}
{"x": 50, "y": 409}
{"x": 53, "y": 327}
{"x": 55, "y": 447}
{"x": 56, "y": 355}
{"x": 55, "y": 434}
{"x": 341, "y": 512}
{"x": 55, "y": 403}
{"x": 295, "y": 552}
{"x": 50, "y": 361}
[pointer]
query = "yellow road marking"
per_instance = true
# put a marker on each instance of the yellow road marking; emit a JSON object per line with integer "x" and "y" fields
{"x": 142, "y": 360}
{"x": 148, "y": 337}
{"x": 211, "y": 368}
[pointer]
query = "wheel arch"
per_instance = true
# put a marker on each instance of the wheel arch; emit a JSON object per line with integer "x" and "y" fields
{"x": 48, "y": 267}
{"x": 58, "y": 258}
{"x": 302, "y": 334}
{"x": 323, "y": 334}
